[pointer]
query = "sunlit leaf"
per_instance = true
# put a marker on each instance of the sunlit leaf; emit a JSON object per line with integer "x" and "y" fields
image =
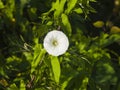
{"x": 84, "y": 84}
{"x": 78, "y": 10}
{"x": 58, "y": 6}
{"x": 98, "y": 24}
{"x": 56, "y": 68}
{"x": 1, "y": 4}
{"x": 66, "y": 23}
{"x": 22, "y": 85}
{"x": 71, "y": 4}
{"x": 38, "y": 56}
{"x": 115, "y": 29}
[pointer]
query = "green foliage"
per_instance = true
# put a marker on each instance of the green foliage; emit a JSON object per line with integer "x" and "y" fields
{"x": 55, "y": 68}
{"x": 91, "y": 62}
{"x": 98, "y": 24}
{"x": 66, "y": 24}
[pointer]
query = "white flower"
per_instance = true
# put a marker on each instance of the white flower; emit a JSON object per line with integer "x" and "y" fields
{"x": 56, "y": 43}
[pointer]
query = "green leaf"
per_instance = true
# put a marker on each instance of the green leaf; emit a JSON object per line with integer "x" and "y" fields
{"x": 55, "y": 68}
{"x": 68, "y": 78}
{"x": 71, "y": 4}
{"x": 2, "y": 72}
{"x": 105, "y": 73}
{"x": 84, "y": 84}
{"x": 78, "y": 10}
{"x": 13, "y": 87}
{"x": 22, "y": 85}
{"x": 106, "y": 39}
{"x": 66, "y": 24}
{"x": 115, "y": 29}
{"x": 38, "y": 55}
{"x": 59, "y": 7}
{"x": 1, "y": 4}
{"x": 55, "y": 4}
{"x": 98, "y": 24}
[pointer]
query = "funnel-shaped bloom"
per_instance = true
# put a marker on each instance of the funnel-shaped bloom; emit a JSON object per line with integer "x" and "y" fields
{"x": 56, "y": 43}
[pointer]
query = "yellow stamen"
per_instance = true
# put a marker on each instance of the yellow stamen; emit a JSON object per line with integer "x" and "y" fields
{"x": 55, "y": 43}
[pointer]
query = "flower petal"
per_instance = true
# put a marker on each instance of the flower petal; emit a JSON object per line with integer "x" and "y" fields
{"x": 60, "y": 38}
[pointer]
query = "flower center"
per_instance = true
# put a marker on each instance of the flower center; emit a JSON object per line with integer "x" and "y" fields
{"x": 54, "y": 42}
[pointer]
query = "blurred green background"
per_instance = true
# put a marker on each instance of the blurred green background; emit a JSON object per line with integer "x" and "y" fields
{"x": 92, "y": 61}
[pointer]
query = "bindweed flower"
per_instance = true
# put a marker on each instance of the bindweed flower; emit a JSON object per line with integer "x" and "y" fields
{"x": 56, "y": 43}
